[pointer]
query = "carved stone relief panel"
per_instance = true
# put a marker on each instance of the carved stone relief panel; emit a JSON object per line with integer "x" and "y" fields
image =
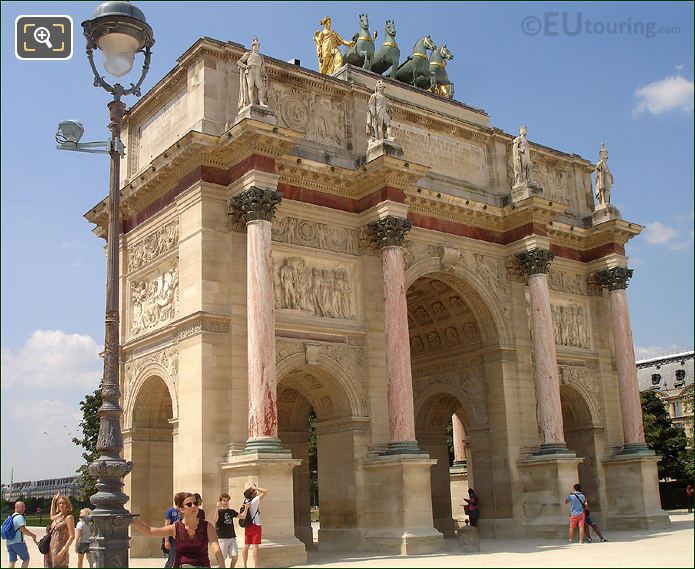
{"x": 154, "y": 299}
{"x": 153, "y": 245}
{"x": 569, "y": 283}
{"x": 452, "y": 157}
{"x": 571, "y": 325}
{"x": 321, "y": 291}
{"x": 554, "y": 181}
{"x": 320, "y": 117}
{"x": 295, "y": 231}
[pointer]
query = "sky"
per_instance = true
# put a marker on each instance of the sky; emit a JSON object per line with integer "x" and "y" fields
{"x": 576, "y": 74}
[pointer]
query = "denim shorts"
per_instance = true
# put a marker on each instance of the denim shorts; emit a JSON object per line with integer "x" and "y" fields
{"x": 17, "y": 549}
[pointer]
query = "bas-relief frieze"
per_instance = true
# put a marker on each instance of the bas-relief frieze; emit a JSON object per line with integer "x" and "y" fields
{"x": 320, "y": 291}
{"x": 295, "y": 231}
{"x": 440, "y": 339}
{"x": 570, "y": 325}
{"x": 153, "y": 245}
{"x": 154, "y": 299}
{"x": 554, "y": 181}
{"x": 451, "y": 157}
{"x": 320, "y": 117}
{"x": 568, "y": 283}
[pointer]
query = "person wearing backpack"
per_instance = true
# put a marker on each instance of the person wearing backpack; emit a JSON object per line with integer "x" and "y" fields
{"x": 577, "y": 501}
{"x": 250, "y": 520}
{"x": 14, "y": 528}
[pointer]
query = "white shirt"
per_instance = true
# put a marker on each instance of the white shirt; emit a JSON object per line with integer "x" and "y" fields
{"x": 253, "y": 509}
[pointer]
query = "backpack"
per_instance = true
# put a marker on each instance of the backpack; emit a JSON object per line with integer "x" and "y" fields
{"x": 8, "y": 530}
{"x": 245, "y": 521}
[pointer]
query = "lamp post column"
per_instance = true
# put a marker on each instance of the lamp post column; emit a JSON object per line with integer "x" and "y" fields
{"x": 109, "y": 547}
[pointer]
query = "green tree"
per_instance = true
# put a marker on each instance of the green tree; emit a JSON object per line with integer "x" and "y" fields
{"x": 663, "y": 438}
{"x": 90, "y": 432}
{"x": 313, "y": 459}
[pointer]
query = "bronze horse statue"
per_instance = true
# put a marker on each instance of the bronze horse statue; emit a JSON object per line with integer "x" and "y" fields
{"x": 442, "y": 86}
{"x": 389, "y": 54}
{"x": 417, "y": 65}
{"x": 362, "y": 53}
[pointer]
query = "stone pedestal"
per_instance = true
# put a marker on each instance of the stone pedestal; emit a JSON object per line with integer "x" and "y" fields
{"x": 280, "y": 547}
{"x": 525, "y": 190}
{"x": 546, "y": 480}
{"x": 605, "y": 213}
{"x": 632, "y": 489}
{"x": 256, "y": 113}
{"x": 398, "y": 510}
{"x": 469, "y": 540}
{"x": 383, "y": 148}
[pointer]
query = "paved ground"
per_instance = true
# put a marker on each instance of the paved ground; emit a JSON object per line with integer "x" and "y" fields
{"x": 666, "y": 548}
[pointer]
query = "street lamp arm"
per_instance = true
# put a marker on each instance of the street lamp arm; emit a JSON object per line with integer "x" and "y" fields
{"x": 99, "y": 81}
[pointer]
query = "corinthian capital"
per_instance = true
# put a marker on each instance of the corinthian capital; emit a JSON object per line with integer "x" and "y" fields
{"x": 390, "y": 231}
{"x": 536, "y": 262}
{"x": 615, "y": 278}
{"x": 257, "y": 203}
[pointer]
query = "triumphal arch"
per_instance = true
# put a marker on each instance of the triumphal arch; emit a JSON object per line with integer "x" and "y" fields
{"x": 378, "y": 253}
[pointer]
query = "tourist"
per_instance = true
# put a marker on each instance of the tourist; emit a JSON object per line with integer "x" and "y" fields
{"x": 224, "y": 524}
{"x": 82, "y": 535}
{"x": 16, "y": 546}
{"x": 689, "y": 494}
{"x": 192, "y": 534}
{"x": 589, "y": 522}
{"x": 472, "y": 508}
{"x": 576, "y": 500}
{"x": 62, "y": 530}
{"x": 253, "y": 531}
{"x": 199, "y": 503}
{"x": 171, "y": 516}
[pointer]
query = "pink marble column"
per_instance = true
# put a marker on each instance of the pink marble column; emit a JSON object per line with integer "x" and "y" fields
{"x": 390, "y": 235}
{"x": 257, "y": 207}
{"x": 616, "y": 280}
{"x": 537, "y": 264}
{"x": 459, "y": 436}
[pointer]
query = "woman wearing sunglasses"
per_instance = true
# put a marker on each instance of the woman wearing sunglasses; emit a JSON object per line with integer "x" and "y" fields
{"x": 192, "y": 534}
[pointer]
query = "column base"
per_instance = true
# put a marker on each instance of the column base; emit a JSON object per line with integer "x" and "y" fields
{"x": 272, "y": 470}
{"x": 546, "y": 479}
{"x": 265, "y": 445}
{"x": 636, "y": 448}
{"x": 554, "y": 449}
{"x": 632, "y": 489}
{"x": 404, "y": 447}
{"x": 398, "y": 498}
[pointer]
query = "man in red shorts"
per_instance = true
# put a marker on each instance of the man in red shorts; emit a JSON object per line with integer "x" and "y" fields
{"x": 253, "y": 531}
{"x": 576, "y": 500}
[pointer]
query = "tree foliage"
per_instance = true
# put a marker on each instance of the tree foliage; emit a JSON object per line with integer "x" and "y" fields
{"x": 90, "y": 432}
{"x": 664, "y": 439}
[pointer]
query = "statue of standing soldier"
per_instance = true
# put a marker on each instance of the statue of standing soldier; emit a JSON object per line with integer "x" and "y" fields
{"x": 379, "y": 115}
{"x": 521, "y": 158}
{"x": 604, "y": 179}
{"x": 252, "y": 75}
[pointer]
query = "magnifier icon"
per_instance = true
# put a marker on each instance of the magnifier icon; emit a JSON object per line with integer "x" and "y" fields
{"x": 42, "y": 35}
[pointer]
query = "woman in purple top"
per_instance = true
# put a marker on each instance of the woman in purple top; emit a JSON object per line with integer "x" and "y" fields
{"x": 191, "y": 533}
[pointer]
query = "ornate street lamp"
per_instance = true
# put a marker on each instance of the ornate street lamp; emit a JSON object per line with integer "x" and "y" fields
{"x": 120, "y": 31}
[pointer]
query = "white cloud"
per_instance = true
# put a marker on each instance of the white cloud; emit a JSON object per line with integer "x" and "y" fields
{"x": 670, "y": 93}
{"x": 681, "y": 245}
{"x": 645, "y": 352}
{"x": 657, "y": 233}
{"x": 53, "y": 359}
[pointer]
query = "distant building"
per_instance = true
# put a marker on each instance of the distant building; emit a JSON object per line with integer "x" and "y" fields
{"x": 40, "y": 488}
{"x": 671, "y": 376}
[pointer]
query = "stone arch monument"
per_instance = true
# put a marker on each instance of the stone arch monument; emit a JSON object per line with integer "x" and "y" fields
{"x": 276, "y": 261}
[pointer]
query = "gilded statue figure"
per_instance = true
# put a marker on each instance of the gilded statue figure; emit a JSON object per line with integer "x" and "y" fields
{"x": 252, "y": 74}
{"x": 604, "y": 178}
{"x": 328, "y": 45}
